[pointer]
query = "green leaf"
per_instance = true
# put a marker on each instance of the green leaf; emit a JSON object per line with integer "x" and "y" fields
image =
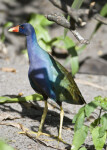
{"x": 70, "y": 46}
{"x": 43, "y": 37}
{"x": 39, "y": 20}
{"x": 103, "y": 127}
{"x": 74, "y": 62}
{"x": 8, "y": 24}
{"x": 34, "y": 97}
{"x": 79, "y": 119}
{"x": 103, "y": 12}
{"x": 68, "y": 43}
{"x": 80, "y": 49}
{"x": 77, "y": 4}
{"x": 43, "y": 21}
{"x": 90, "y": 107}
{"x": 103, "y": 121}
{"x": 82, "y": 148}
{"x": 4, "y": 146}
{"x": 44, "y": 45}
{"x": 2, "y": 38}
{"x": 102, "y": 102}
{"x": 77, "y": 115}
{"x": 42, "y": 33}
{"x": 98, "y": 142}
{"x": 79, "y": 137}
{"x": 94, "y": 124}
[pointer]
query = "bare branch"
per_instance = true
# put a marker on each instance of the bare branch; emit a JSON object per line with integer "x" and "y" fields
{"x": 59, "y": 19}
{"x": 62, "y": 21}
{"x": 67, "y": 9}
{"x": 75, "y": 14}
{"x": 79, "y": 37}
{"x": 100, "y": 18}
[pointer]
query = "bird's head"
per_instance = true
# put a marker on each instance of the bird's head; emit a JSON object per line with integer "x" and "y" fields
{"x": 24, "y": 28}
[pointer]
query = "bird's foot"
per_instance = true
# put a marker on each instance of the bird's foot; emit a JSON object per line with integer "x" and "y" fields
{"x": 38, "y": 134}
{"x": 61, "y": 140}
{"x": 41, "y": 133}
{"x": 27, "y": 131}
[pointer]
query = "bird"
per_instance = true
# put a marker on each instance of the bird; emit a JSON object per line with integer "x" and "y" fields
{"x": 48, "y": 77}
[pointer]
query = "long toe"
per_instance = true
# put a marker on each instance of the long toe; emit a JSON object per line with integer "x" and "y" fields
{"x": 38, "y": 134}
{"x": 41, "y": 133}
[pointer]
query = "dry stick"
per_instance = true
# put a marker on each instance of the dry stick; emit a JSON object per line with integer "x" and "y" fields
{"x": 75, "y": 14}
{"x": 62, "y": 21}
{"x": 70, "y": 11}
{"x": 95, "y": 15}
{"x": 100, "y": 18}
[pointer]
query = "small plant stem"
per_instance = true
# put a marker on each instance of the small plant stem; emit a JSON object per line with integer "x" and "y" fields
{"x": 100, "y": 115}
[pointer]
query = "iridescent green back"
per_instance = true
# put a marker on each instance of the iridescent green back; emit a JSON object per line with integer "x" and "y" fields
{"x": 65, "y": 87}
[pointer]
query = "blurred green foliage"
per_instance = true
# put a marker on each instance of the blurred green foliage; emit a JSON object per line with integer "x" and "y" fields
{"x": 4, "y": 146}
{"x": 6, "y": 25}
{"x": 40, "y": 24}
{"x": 97, "y": 128}
{"x": 77, "y": 4}
{"x": 103, "y": 13}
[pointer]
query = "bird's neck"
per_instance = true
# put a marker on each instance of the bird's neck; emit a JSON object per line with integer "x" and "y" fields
{"x": 32, "y": 46}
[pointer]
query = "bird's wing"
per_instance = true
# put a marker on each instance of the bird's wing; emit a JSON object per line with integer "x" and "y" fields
{"x": 66, "y": 88}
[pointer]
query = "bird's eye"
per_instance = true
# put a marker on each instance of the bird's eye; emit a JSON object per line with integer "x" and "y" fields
{"x": 21, "y": 27}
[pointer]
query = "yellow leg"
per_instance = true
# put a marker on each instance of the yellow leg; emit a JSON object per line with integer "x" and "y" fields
{"x": 42, "y": 119}
{"x": 61, "y": 123}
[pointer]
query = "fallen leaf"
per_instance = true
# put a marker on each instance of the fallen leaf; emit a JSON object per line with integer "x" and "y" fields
{"x": 8, "y": 69}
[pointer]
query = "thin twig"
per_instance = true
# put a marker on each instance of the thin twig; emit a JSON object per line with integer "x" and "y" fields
{"x": 67, "y": 9}
{"x": 76, "y": 14}
{"x": 61, "y": 20}
{"x": 79, "y": 37}
{"x": 100, "y": 18}
{"x": 99, "y": 117}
